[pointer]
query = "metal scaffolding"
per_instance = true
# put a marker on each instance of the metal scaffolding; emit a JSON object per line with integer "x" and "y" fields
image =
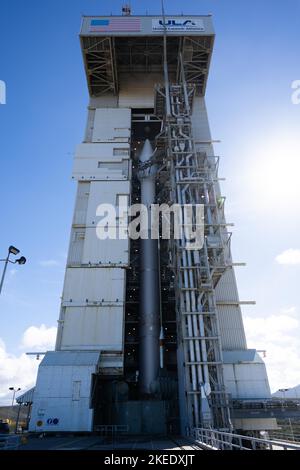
{"x": 193, "y": 176}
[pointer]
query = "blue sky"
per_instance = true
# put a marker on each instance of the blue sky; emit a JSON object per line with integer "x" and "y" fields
{"x": 255, "y": 61}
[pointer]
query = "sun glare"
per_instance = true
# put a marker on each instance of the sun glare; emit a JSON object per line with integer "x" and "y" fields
{"x": 274, "y": 176}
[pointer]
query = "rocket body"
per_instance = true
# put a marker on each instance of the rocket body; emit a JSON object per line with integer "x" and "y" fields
{"x": 149, "y": 326}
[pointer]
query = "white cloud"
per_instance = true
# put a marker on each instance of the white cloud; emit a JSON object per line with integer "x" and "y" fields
{"x": 21, "y": 370}
{"x": 49, "y": 263}
{"x": 39, "y": 338}
{"x": 279, "y": 335}
{"x": 289, "y": 311}
{"x": 289, "y": 257}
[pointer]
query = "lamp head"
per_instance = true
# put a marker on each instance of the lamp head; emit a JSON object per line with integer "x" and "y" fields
{"x": 13, "y": 250}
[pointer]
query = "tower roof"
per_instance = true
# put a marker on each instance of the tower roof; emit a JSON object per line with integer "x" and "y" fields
{"x": 133, "y": 44}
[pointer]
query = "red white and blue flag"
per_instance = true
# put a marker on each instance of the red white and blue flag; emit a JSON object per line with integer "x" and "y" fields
{"x": 116, "y": 25}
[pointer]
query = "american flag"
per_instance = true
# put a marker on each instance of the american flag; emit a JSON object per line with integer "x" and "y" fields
{"x": 116, "y": 24}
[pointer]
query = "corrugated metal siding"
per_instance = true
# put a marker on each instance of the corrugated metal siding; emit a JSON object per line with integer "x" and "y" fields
{"x": 82, "y": 197}
{"x": 230, "y": 316}
{"x": 78, "y": 358}
{"x": 93, "y": 327}
{"x": 243, "y": 355}
{"x": 112, "y": 124}
{"x": 102, "y": 161}
{"x": 92, "y": 169}
{"x": 104, "y": 193}
{"x": 88, "y": 137}
{"x": 246, "y": 381}
{"x": 226, "y": 288}
{"x": 103, "y": 152}
{"x": 26, "y": 397}
{"x": 76, "y": 246}
{"x": 201, "y": 130}
{"x": 94, "y": 284}
{"x": 231, "y": 327}
{"x": 104, "y": 251}
{"x": 54, "y": 398}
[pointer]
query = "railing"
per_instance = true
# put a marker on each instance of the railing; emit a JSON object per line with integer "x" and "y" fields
{"x": 285, "y": 436}
{"x": 111, "y": 429}
{"x": 220, "y": 440}
{"x": 9, "y": 441}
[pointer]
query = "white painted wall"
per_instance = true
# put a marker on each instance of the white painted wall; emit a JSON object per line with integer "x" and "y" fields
{"x": 137, "y": 90}
{"x": 93, "y": 284}
{"x": 92, "y": 313}
{"x": 90, "y": 328}
{"x": 62, "y": 394}
{"x": 247, "y": 381}
{"x": 111, "y": 124}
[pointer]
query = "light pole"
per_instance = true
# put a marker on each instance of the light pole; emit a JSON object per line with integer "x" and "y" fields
{"x": 12, "y": 250}
{"x": 283, "y": 390}
{"x": 14, "y": 390}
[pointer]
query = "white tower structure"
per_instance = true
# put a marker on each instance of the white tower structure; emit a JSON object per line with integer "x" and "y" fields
{"x": 142, "y": 92}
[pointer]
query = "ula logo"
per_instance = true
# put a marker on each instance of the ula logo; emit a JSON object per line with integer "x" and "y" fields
{"x": 177, "y": 23}
{"x": 2, "y": 92}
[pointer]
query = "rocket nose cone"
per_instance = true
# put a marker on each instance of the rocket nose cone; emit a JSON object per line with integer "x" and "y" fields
{"x": 146, "y": 152}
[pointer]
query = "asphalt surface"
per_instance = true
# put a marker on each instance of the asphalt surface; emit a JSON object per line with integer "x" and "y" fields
{"x": 105, "y": 443}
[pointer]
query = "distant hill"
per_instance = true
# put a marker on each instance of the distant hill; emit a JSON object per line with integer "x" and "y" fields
{"x": 291, "y": 393}
{"x": 7, "y": 412}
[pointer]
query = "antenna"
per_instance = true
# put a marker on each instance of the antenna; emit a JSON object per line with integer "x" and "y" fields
{"x": 126, "y": 9}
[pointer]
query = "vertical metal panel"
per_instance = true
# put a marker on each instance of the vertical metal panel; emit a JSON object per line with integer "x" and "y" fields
{"x": 102, "y": 161}
{"x": 104, "y": 151}
{"x": 93, "y": 169}
{"x": 231, "y": 327}
{"x": 102, "y": 192}
{"x": 82, "y": 197}
{"x": 246, "y": 381}
{"x": 76, "y": 390}
{"x": 229, "y": 380}
{"x": 57, "y": 405}
{"x": 226, "y": 288}
{"x": 230, "y": 316}
{"x": 201, "y": 130}
{"x": 76, "y": 246}
{"x": 112, "y": 124}
{"x": 88, "y": 328}
{"x": 90, "y": 125}
{"x": 107, "y": 251}
{"x": 94, "y": 284}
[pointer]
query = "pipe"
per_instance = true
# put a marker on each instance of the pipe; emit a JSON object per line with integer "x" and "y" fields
{"x": 161, "y": 347}
{"x": 149, "y": 283}
{"x": 166, "y": 71}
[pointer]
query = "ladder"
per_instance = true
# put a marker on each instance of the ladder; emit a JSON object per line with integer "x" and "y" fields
{"x": 193, "y": 177}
